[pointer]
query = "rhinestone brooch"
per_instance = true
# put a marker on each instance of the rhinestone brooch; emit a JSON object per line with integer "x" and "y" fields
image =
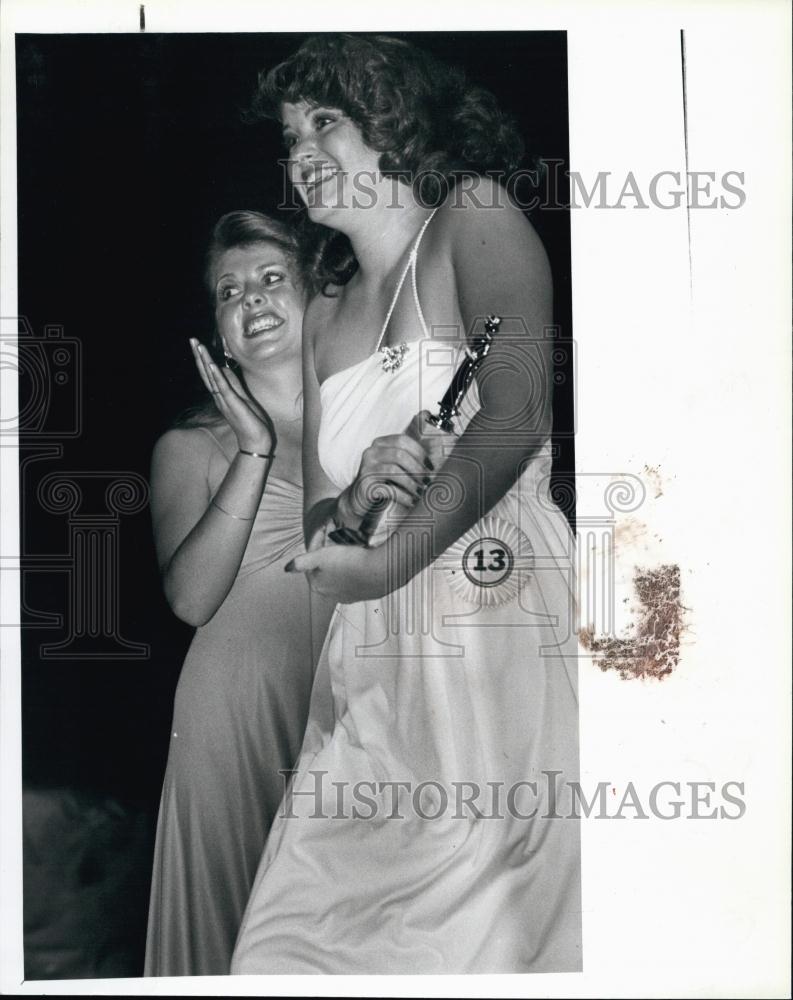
{"x": 393, "y": 357}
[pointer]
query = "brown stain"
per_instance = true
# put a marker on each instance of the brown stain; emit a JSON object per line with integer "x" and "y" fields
{"x": 629, "y": 531}
{"x": 654, "y": 648}
{"x": 653, "y": 475}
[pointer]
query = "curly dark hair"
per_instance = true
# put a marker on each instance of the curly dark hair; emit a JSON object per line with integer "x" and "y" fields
{"x": 429, "y": 124}
{"x": 241, "y": 229}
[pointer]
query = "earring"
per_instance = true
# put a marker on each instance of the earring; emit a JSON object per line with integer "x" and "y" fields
{"x": 228, "y": 357}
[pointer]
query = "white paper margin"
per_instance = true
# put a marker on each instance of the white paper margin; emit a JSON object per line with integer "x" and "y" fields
{"x": 681, "y": 366}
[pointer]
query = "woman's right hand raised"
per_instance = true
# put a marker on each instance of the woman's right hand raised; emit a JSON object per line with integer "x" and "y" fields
{"x": 250, "y": 422}
{"x": 394, "y": 467}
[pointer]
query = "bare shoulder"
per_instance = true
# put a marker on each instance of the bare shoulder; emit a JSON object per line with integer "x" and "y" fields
{"x": 319, "y": 315}
{"x": 319, "y": 333}
{"x": 186, "y": 447}
{"x": 495, "y": 259}
{"x": 479, "y": 218}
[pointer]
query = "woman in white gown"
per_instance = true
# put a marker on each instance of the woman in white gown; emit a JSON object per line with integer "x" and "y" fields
{"x": 428, "y": 827}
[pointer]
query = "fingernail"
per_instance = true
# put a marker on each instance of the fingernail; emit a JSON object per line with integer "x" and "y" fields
{"x": 426, "y": 480}
{"x": 428, "y": 464}
{"x": 290, "y": 566}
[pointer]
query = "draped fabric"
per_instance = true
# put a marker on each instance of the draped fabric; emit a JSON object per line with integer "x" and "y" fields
{"x": 461, "y": 692}
{"x": 239, "y": 716}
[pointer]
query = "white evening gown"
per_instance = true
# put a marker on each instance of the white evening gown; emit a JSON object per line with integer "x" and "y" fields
{"x": 470, "y": 689}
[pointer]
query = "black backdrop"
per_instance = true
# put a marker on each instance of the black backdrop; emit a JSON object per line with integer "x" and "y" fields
{"x": 129, "y": 148}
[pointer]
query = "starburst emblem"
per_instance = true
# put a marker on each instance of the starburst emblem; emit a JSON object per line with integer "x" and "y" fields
{"x": 393, "y": 357}
{"x": 490, "y": 563}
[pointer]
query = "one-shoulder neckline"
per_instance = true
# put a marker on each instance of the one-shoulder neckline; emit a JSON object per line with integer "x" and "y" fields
{"x": 409, "y": 266}
{"x": 363, "y": 361}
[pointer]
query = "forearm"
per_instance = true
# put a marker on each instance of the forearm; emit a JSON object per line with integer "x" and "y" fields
{"x": 476, "y": 475}
{"x": 316, "y": 518}
{"x": 201, "y": 572}
{"x": 333, "y": 512}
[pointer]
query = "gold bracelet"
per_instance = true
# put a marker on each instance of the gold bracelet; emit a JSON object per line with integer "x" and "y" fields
{"x": 256, "y": 454}
{"x": 228, "y": 512}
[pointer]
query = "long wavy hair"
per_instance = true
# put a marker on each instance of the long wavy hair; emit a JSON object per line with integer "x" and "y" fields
{"x": 429, "y": 124}
{"x": 238, "y": 229}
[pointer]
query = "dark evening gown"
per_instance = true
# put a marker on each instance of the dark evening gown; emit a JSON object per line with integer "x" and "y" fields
{"x": 239, "y": 717}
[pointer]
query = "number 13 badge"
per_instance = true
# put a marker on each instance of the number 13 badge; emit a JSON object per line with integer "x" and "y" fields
{"x": 490, "y": 563}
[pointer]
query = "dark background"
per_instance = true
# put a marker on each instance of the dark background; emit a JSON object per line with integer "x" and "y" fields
{"x": 129, "y": 148}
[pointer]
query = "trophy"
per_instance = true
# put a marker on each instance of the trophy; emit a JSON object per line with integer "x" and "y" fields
{"x": 448, "y": 409}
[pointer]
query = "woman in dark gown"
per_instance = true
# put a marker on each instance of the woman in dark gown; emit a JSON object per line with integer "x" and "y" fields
{"x": 227, "y": 508}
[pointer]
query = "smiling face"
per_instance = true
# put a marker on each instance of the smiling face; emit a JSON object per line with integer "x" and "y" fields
{"x": 329, "y": 163}
{"x": 259, "y": 304}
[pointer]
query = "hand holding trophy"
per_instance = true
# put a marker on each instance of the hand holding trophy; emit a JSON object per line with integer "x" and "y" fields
{"x": 432, "y": 432}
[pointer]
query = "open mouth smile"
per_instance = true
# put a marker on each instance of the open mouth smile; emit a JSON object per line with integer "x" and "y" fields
{"x": 313, "y": 176}
{"x": 263, "y": 323}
